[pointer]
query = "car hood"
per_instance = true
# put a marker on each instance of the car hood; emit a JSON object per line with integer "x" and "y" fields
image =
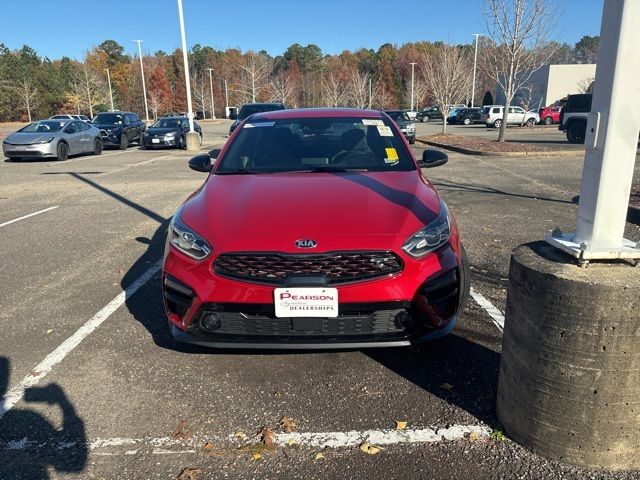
{"x": 20, "y": 138}
{"x": 162, "y": 131}
{"x": 339, "y": 211}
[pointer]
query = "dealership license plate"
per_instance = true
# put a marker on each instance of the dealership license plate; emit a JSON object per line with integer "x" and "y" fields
{"x": 155, "y": 140}
{"x": 306, "y": 302}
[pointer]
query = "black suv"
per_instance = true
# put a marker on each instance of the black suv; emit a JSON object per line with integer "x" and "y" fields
{"x": 249, "y": 109}
{"x": 573, "y": 117}
{"x": 467, "y": 116}
{"x": 118, "y": 129}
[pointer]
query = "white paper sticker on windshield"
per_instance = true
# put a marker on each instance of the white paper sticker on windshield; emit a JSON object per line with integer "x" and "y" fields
{"x": 372, "y": 121}
{"x": 260, "y": 124}
{"x": 385, "y": 131}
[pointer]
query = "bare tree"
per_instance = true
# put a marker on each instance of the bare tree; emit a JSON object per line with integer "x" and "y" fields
{"x": 254, "y": 75}
{"x": 586, "y": 85}
{"x": 357, "y": 91}
{"x": 283, "y": 88}
{"x": 28, "y": 94}
{"x": 156, "y": 102}
{"x": 333, "y": 89}
{"x": 92, "y": 88}
{"x": 446, "y": 74}
{"x": 518, "y": 30}
{"x": 199, "y": 86}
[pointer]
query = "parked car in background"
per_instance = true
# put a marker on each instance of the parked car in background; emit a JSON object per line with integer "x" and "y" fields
{"x": 434, "y": 113}
{"x": 314, "y": 229}
{"x": 493, "y": 116}
{"x": 453, "y": 115}
{"x": 549, "y": 115}
{"x": 249, "y": 109}
{"x": 169, "y": 132}
{"x": 466, "y": 116}
{"x": 412, "y": 114}
{"x": 119, "y": 129}
{"x": 405, "y": 124}
{"x": 53, "y": 139}
{"x": 65, "y": 116}
{"x": 573, "y": 117}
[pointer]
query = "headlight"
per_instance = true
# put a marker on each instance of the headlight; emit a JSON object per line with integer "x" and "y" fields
{"x": 40, "y": 142}
{"x": 431, "y": 237}
{"x": 170, "y": 135}
{"x": 186, "y": 240}
{"x": 411, "y": 126}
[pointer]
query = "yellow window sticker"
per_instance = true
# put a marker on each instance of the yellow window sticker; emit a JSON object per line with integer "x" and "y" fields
{"x": 392, "y": 154}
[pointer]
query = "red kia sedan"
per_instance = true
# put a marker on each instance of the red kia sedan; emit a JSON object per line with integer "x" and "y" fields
{"x": 315, "y": 228}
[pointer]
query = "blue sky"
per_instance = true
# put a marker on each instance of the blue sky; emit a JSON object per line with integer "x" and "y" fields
{"x": 70, "y": 27}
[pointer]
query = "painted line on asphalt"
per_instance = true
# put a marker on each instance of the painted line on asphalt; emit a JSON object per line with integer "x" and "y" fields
{"x": 148, "y": 161}
{"x": 496, "y": 315}
{"x": 170, "y": 445}
{"x": 29, "y": 216}
{"x": 86, "y": 157}
{"x": 43, "y": 368}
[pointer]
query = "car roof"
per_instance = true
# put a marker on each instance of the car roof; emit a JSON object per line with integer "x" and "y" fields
{"x": 173, "y": 117}
{"x": 317, "y": 113}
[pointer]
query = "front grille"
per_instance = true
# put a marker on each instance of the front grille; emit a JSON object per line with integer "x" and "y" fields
{"x": 335, "y": 267}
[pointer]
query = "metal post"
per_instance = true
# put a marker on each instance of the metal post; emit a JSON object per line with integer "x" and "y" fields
{"x": 226, "y": 98}
{"x": 110, "y": 91}
{"x": 186, "y": 66}
{"x": 611, "y": 142}
{"x": 475, "y": 61}
{"x": 144, "y": 87}
{"x": 369, "y": 93}
{"x": 413, "y": 68}
{"x": 213, "y": 107}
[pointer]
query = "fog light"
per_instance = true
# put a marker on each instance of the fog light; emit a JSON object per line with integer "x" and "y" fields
{"x": 404, "y": 321}
{"x": 210, "y": 322}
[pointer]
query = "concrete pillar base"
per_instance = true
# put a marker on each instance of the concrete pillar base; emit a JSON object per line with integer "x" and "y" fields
{"x": 193, "y": 141}
{"x": 569, "y": 385}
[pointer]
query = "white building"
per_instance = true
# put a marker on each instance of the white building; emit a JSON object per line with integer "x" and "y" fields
{"x": 551, "y": 83}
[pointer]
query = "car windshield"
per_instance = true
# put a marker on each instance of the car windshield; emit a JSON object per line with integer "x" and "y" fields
{"x": 248, "y": 110}
{"x": 316, "y": 145}
{"x": 43, "y": 127}
{"x": 167, "y": 123}
{"x": 398, "y": 115}
{"x": 455, "y": 111}
{"x": 108, "y": 119}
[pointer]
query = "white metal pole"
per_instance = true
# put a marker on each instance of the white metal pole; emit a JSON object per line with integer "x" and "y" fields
{"x": 611, "y": 141}
{"x": 213, "y": 107}
{"x": 413, "y": 68}
{"x": 144, "y": 87}
{"x": 475, "y": 61}
{"x": 110, "y": 91}
{"x": 369, "y": 93}
{"x": 186, "y": 66}
{"x": 226, "y": 98}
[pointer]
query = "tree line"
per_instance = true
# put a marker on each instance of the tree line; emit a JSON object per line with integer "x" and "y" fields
{"x": 32, "y": 86}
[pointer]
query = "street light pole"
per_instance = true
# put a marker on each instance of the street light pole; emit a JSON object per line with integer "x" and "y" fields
{"x": 413, "y": 69}
{"x": 226, "y": 98}
{"x": 144, "y": 87}
{"x": 213, "y": 108}
{"x": 475, "y": 60}
{"x": 369, "y": 93}
{"x": 186, "y": 67}
{"x": 110, "y": 91}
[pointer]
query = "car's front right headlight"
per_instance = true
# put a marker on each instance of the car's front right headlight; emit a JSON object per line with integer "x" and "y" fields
{"x": 187, "y": 240}
{"x": 432, "y": 236}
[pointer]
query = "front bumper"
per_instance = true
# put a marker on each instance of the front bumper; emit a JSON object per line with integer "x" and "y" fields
{"x": 30, "y": 151}
{"x": 151, "y": 142}
{"x": 420, "y": 303}
{"x": 110, "y": 139}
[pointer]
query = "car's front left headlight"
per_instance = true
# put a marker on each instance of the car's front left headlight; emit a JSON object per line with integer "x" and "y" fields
{"x": 170, "y": 135}
{"x": 187, "y": 240}
{"x": 431, "y": 237}
{"x": 42, "y": 142}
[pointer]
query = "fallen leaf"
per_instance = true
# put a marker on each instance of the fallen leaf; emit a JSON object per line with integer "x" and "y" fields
{"x": 208, "y": 446}
{"x": 240, "y": 435}
{"x": 189, "y": 473}
{"x": 267, "y": 436}
{"x": 256, "y": 456}
{"x": 446, "y": 386}
{"x": 288, "y": 424}
{"x": 34, "y": 373}
{"x": 49, "y": 331}
{"x": 291, "y": 442}
{"x": 473, "y": 436}
{"x": 319, "y": 456}
{"x": 181, "y": 431}
{"x": 366, "y": 447}
{"x": 400, "y": 425}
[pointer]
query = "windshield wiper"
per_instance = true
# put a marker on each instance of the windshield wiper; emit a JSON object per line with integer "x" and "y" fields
{"x": 331, "y": 169}
{"x": 238, "y": 171}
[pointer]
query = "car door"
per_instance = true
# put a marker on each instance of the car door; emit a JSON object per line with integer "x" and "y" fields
{"x": 73, "y": 136}
{"x": 87, "y": 136}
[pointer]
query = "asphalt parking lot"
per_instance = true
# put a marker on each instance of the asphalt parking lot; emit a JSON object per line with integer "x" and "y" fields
{"x": 97, "y": 388}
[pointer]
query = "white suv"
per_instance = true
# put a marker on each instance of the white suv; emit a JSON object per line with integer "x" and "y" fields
{"x": 492, "y": 116}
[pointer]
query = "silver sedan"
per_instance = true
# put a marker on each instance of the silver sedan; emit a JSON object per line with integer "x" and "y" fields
{"x": 53, "y": 139}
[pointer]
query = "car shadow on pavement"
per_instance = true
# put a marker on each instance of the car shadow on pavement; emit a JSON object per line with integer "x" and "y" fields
{"x": 30, "y": 446}
{"x": 455, "y": 369}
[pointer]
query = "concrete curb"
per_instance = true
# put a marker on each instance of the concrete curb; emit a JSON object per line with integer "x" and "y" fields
{"x": 484, "y": 153}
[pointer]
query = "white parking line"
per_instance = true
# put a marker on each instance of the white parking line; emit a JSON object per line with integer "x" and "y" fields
{"x": 86, "y": 157}
{"x": 495, "y": 314}
{"x": 28, "y": 216}
{"x": 170, "y": 445}
{"x": 43, "y": 368}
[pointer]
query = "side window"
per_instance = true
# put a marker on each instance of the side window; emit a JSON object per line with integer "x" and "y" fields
{"x": 513, "y": 110}
{"x": 495, "y": 110}
{"x": 71, "y": 128}
{"x": 135, "y": 118}
{"x": 185, "y": 123}
{"x": 519, "y": 110}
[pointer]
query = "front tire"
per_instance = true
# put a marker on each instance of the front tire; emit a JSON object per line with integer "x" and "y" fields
{"x": 124, "y": 142}
{"x": 465, "y": 279}
{"x": 466, "y": 121}
{"x": 497, "y": 123}
{"x": 62, "y": 152}
{"x": 576, "y": 132}
{"x": 548, "y": 121}
{"x": 530, "y": 122}
{"x": 97, "y": 147}
{"x": 412, "y": 140}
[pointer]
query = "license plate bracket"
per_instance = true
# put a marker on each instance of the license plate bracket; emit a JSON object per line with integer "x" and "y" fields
{"x": 315, "y": 302}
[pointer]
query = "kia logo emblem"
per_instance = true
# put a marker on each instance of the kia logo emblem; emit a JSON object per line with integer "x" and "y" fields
{"x": 306, "y": 243}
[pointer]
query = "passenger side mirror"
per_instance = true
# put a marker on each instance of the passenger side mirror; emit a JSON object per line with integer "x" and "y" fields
{"x": 213, "y": 154}
{"x": 433, "y": 158}
{"x": 201, "y": 163}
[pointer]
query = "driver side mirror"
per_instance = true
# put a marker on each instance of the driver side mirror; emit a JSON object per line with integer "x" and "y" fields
{"x": 201, "y": 163}
{"x": 433, "y": 158}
